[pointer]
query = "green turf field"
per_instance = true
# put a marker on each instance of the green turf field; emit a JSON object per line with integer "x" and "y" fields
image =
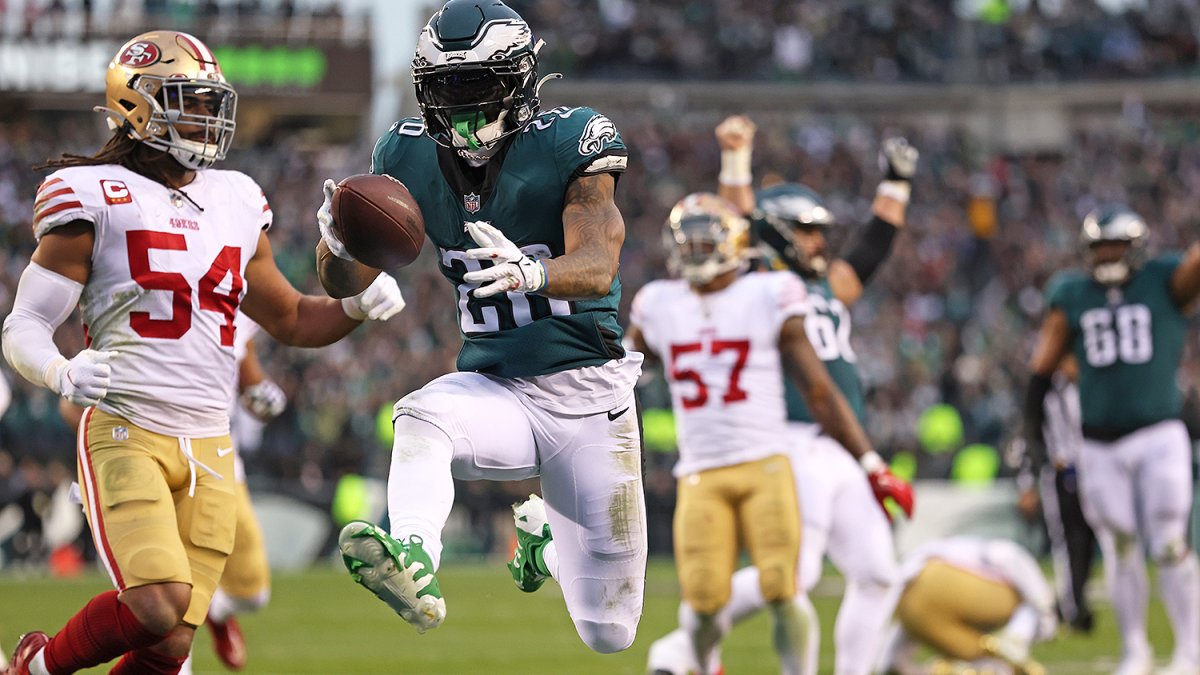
{"x": 320, "y": 622}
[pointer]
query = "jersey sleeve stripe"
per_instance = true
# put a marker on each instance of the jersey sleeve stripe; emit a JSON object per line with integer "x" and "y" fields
{"x": 43, "y": 198}
{"x": 48, "y": 182}
{"x": 57, "y": 208}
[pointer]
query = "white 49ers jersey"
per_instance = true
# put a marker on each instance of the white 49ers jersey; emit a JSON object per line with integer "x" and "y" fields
{"x": 720, "y": 352}
{"x": 168, "y": 274}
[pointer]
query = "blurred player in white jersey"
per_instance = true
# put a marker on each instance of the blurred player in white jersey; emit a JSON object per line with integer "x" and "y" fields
{"x": 160, "y": 252}
{"x": 836, "y": 496}
{"x": 982, "y": 602}
{"x": 726, "y": 337}
{"x": 1051, "y": 478}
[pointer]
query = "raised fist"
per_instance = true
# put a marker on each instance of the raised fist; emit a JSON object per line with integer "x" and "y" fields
{"x": 735, "y": 132}
{"x": 898, "y": 159}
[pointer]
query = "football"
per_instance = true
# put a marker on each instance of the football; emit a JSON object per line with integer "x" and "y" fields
{"x": 378, "y": 220}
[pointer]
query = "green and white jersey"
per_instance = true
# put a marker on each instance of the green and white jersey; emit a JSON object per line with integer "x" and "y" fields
{"x": 520, "y": 191}
{"x": 827, "y": 324}
{"x": 1128, "y": 341}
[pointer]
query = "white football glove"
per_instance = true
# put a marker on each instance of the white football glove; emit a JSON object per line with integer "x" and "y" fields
{"x": 325, "y": 222}
{"x": 264, "y": 400}
{"x": 898, "y": 159}
{"x": 513, "y": 271}
{"x": 84, "y": 380}
{"x": 379, "y": 302}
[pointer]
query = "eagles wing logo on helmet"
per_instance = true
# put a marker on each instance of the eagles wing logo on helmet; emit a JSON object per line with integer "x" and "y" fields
{"x": 475, "y": 75}
{"x": 596, "y": 134}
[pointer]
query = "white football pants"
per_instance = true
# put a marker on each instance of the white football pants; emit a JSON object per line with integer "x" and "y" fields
{"x": 472, "y": 427}
{"x": 1138, "y": 490}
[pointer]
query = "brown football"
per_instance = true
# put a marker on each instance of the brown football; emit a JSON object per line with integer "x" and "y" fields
{"x": 378, "y": 220}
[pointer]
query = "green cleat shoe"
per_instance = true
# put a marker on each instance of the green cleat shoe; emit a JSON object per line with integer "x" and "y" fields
{"x": 398, "y": 573}
{"x": 528, "y": 569}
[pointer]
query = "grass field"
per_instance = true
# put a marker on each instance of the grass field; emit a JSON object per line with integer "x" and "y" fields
{"x": 320, "y": 622}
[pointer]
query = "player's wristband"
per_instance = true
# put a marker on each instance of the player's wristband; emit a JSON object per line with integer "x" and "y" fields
{"x": 872, "y": 462}
{"x": 900, "y": 190}
{"x": 735, "y": 167}
{"x": 352, "y": 309}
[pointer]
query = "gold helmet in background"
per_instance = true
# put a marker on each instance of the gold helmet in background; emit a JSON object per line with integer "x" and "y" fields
{"x": 705, "y": 237}
{"x": 165, "y": 89}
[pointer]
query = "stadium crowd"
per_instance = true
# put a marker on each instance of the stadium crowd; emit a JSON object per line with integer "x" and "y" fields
{"x": 924, "y": 40}
{"x": 877, "y": 41}
{"x": 949, "y": 320}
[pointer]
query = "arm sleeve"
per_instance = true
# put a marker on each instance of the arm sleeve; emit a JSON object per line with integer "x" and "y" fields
{"x": 1035, "y": 420}
{"x": 44, "y": 300}
{"x": 872, "y": 248}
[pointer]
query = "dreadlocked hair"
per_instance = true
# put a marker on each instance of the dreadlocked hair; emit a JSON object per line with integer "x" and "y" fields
{"x": 122, "y": 150}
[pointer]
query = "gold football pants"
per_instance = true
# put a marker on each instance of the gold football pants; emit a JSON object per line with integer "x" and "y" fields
{"x": 950, "y": 609}
{"x": 719, "y": 511}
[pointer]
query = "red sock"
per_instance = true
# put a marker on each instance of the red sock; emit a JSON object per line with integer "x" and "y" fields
{"x": 146, "y": 661}
{"x": 100, "y": 632}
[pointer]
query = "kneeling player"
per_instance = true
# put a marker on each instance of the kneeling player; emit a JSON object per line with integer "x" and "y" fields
{"x": 972, "y": 600}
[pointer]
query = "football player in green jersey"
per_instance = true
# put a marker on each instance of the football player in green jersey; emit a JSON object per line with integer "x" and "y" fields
{"x": 519, "y": 204}
{"x": 840, "y": 515}
{"x": 1123, "y": 320}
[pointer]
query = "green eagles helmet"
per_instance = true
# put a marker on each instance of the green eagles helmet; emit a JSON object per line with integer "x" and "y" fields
{"x": 705, "y": 237}
{"x": 1114, "y": 222}
{"x": 475, "y": 73}
{"x": 782, "y": 209}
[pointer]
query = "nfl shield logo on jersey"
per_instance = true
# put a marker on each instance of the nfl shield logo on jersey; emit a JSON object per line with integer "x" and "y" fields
{"x": 120, "y": 433}
{"x": 471, "y": 202}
